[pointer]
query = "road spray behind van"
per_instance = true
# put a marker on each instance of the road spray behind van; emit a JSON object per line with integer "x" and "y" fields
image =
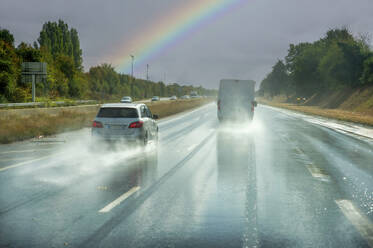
{"x": 236, "y": 100}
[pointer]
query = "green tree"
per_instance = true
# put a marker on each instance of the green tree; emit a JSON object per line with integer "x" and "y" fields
{"x": 105, "y": 81}
{"x": 302, "y": 62}
{"x": 277, "y": 81}
{"x": 6, "y": 36}
{"x": 66, "y": 65}
{"x": 9, "y": 71}
{"x": 367, "y": 74}
{"x": 335, "y": 61}
{"x": 77, "y": 52}
{"x": 57, "y": 39}
{"x": 27, "y": 53}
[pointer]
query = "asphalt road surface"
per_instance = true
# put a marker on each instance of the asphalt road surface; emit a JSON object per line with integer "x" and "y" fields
{"x": 280, "y": 182}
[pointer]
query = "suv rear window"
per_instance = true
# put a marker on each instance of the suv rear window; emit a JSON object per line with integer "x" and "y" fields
{"x": 118, "y": 113}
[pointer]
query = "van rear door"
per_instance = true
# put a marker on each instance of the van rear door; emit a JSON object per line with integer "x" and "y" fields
{"x": 234, "y": 100}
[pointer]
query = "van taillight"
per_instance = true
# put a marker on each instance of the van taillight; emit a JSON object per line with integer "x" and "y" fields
{"x": 136, "y": 124}
{"x": 219, "y": 105}
{"x": 97, "y": 124}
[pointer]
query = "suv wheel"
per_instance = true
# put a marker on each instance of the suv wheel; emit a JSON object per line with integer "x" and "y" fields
{"x": 146, "y": 139}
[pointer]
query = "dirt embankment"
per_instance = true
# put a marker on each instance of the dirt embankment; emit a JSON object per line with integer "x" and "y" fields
{"x": 354, "y": 105}
{"x": 22, "y": 124}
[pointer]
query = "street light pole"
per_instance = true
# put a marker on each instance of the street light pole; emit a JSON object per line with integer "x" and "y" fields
{"x": 133, "y": 58}
{"x": 147, "y": 72}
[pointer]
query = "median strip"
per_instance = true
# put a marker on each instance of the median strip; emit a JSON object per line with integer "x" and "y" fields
{"x": 117, "y": 201}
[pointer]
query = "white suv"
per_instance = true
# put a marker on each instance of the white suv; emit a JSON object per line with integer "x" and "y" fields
{"x": 127, "y": 122}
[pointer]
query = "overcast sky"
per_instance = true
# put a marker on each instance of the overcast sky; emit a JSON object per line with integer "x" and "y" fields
{"x": 242, "y": 43}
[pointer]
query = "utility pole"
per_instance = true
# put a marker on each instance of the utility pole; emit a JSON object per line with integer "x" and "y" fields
{"x": 147, "y": 72}
{"x": 133, "y": 58}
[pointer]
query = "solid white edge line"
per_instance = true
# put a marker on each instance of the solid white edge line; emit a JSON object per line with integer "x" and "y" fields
{"x": 23, "y": 159}
{"x": 117, "y": 201}
{"x": 318, "y": 120}
{"x": 358, "y": 219}
{"x": 20, "y": 151}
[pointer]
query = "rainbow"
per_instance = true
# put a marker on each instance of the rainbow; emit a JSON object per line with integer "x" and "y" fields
{"x": 168, "y": 30}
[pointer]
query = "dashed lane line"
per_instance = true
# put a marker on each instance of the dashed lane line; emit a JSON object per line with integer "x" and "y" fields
{"x": 318, "y": 173}
{"x": 191, "y": 147}
{"x": 298, "y": 150}
{"x": 117, "y": 201}
{"x": 358, "y": 219}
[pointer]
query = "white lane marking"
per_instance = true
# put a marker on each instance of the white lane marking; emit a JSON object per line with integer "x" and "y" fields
{"x": 317, "y": 172}
{"x": 358, "y": 219}
{"x": 298, "y": 150}
{"x": 25, "y": 162}
{"x": 191, "y": 147}
{"x": 117, "y": 201}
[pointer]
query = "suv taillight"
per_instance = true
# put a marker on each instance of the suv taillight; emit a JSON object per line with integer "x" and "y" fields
{"x": 136, "y": 124}
{"x": 97, "y": 124}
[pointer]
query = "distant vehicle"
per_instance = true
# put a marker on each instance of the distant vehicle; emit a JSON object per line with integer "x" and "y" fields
{"x": 236, "y": 100}
{"x": 184, "y": 97}
{"x": 173, "y": 98}
{"x": 155, "y": 98}
{"x": 126, "y": 99}
{"x": 125, "y": 122}
{"x": 194, "y": 94}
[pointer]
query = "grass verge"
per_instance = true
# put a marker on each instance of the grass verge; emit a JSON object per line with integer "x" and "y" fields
{"x": 17, "y": 127}
{"x": 343, "y": 115}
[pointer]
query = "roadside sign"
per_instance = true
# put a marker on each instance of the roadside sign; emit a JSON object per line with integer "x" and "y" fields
{"x": 34, "y": 68}
{"x": 34, "y": 72}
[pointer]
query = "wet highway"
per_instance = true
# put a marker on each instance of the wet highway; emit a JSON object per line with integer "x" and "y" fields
{"x": 281, "y": 181}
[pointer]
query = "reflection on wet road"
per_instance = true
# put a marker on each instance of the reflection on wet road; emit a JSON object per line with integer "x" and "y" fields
{"x": 278, "y": 182}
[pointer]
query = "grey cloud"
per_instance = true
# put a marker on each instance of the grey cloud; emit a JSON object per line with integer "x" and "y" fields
{"x": 242, "y": 43}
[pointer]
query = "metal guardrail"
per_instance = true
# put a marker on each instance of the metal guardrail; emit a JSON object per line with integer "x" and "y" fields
{"x": 35, "y": 104}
